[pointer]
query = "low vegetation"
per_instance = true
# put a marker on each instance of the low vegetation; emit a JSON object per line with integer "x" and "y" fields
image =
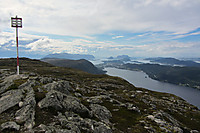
{"x": 133, "y": 109}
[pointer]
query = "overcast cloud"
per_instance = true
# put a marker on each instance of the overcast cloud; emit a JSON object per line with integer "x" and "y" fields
{"x": 90, "y": 18}
{"x": 86, "y": 17}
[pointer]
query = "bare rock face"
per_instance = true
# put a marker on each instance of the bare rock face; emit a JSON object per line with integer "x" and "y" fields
{"x": 52, "y": 99}
{"x": 26, "y": 114}
{"x": 60, "y": 101}
{"x": 61, "y": 86}
{"x": 10, "y": 126}
{"x": 8, "y": 81}
{"x": 45, "y": 80}
{"x": 97, "y": 99}
{"x": 10, "y": 99}
{"x": 101, "y": 112}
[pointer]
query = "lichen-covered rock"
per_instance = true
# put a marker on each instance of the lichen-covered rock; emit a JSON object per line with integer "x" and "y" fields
{"x": 71, "y": 103}
{"x": 172, "y": 125}
{"x": 8, "y": 81}
{"x": 132, "y": 107}
{"x": 26, "y": 114}
{"x": 71, "y": 116}
{"x": 56, "y": 129}
{"x": 101, "y": 112}
{"x": 97, "y": 99}
{"x": 194, "y": 131}
{"x": 60, "y": 101}
{"x": 28, "y": 84}
{"x": 10, "y": 99}
{"x": 53, "y": 99}
{"x": 75, "y": 122}
{"x": 102, "y": 128}
{"x": 61, "y": 86}
{"x": 10, "y": 126}
{"x": 45, "y": 80}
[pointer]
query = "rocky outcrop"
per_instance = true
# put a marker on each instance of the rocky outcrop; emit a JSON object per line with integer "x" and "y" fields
{"x": 61, "y": 86}
{"x": 97, "y": 99}
{"x": 60, "y": 101}
{"x": 8, "y": 82}
{"x": 26, "y": 114}
{"x": 52, "y": 99}
{"x": 10, "y": 99}
{"x": 158, "y": 118}
{"x": 34, "y": 103}
{"x": 101, "y": 112}
{"x": 10, "y": 126}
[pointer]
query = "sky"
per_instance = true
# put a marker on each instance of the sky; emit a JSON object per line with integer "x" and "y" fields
{"x": 103, "y": 28}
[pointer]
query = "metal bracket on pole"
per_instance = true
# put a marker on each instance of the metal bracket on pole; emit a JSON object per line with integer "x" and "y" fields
{"x": 16, "y": 22}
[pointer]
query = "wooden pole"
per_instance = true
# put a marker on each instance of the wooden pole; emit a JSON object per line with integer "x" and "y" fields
{"x": 17, "y": 51}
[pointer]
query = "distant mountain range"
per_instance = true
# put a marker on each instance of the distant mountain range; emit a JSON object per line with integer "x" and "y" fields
{"x": 173, "y": 61}
{"x": 81, "y": 64}
{"x": 121, "y": 58}
{"x": 171, "y": 70}
{"x": 70, "y": 56}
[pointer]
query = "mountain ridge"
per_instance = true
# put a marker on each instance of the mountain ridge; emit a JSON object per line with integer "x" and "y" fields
{"x": 70, "y": 56}
{"x": 81, "y": 64}
{"x": 174, "y": 61}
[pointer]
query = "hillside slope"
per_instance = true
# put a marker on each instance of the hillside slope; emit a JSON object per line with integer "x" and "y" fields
{"x": 44, "y": 98}
{"x": 186, "y": 76}
{"x": 82, "y": 64}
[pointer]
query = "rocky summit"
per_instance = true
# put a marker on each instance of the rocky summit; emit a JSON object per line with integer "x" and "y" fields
{"x": 48, "y": 99}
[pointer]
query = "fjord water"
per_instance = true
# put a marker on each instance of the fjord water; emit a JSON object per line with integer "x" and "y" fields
{"x": 141, "y": 79}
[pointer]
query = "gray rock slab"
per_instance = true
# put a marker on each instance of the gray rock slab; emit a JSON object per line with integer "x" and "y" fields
{"x": 10, "y": 126}
{"x": 10, "y": 99}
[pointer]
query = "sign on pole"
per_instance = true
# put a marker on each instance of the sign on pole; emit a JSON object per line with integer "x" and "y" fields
{"x": 17, "y": 23}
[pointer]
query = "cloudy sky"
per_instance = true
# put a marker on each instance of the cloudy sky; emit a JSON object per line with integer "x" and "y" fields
{"x": 138, "y": 28}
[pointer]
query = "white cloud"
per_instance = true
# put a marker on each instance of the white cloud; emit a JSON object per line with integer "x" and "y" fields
{"x": 116, "y": 37}
{"x": 87, "y": 17}
{"x": 172, "y": 48}
{"x": 44, "y": 45}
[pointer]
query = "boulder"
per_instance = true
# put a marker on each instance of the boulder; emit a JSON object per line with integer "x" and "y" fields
{"x": 97, "y": 99}
{"x": 132, "y": 107}
{"x": 101, "y": 112}
{"x": 61, "y": 86}
{"x": 53, "y": 99}
{"x": 102, "y": 128}
{"x": 60, "y": 101}
{"x": 71, "y": 103}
